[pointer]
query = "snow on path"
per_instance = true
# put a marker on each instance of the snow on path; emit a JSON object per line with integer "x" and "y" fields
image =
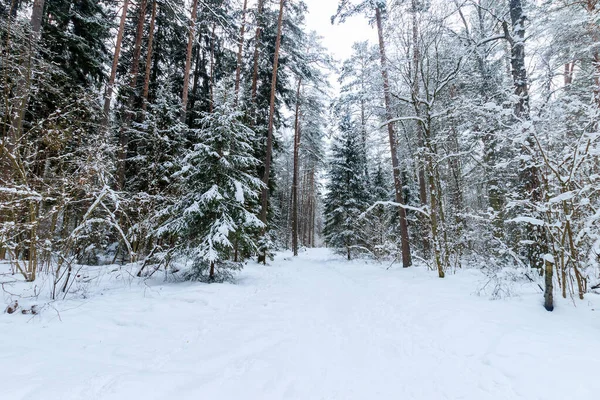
{"x": 311, "y": 328}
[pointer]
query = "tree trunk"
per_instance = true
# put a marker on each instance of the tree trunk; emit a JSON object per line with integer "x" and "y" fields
{"x": 363, "y": 118}
{"x": 416, "y": 59}
{"x": 568, "y": 74}
{"x": 199, "y": 63}
{"x": 259, "y": 13}
{"x": 306, "y": 204}
{"x": 238, "y": 69}
{"x": 149, "y": 57}
{"x": 518, "y": 68}
{"x": 135, "y": 66}
{"x": 264, "y": 198}
{"x": 188, "y": 60}
{"x": 312, "y": 212}
{"x": 295, "y": 176}
{"x": 12, "y": 9}
{"x": 23, "y": 87}
{"x": 36, "y": 18}
{"x": 137, "y": 50}
{"x": 548, "y": 296}
{"x": 591, "y": 8}
{"x": 212, "y": 70}
{"x": 529, "y": 175}
{"x": 115, "y": 64}
{"x": 11, "y": 164}
{"x": 406, "y": 256}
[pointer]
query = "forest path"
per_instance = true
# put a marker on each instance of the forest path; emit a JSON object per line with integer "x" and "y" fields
{"x": 312, "y": 327}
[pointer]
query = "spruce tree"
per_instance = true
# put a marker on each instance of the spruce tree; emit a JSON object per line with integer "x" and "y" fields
{"x": 75, "y": 34}
{"x": 214, "y": 217}
{"x": 347, "y": 192}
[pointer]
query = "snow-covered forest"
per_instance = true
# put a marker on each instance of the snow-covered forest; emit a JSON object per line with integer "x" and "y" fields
{"x": 209, "y": 149}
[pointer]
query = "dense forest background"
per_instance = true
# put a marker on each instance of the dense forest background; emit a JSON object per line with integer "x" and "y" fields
{"x": 146, "y": 131}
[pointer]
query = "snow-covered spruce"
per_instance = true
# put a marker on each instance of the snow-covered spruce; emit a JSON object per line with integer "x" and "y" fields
{"x": 347, "y": 192}
{"x": 215, "y": 219}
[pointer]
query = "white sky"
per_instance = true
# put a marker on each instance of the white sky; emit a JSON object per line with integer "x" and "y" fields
{"x": 337, "y": 38}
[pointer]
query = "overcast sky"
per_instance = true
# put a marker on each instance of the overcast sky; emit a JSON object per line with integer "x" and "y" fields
{"x": 337, "y": 38}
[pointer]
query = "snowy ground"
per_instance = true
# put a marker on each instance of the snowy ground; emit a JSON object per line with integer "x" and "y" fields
{"x": 312, "y": 328}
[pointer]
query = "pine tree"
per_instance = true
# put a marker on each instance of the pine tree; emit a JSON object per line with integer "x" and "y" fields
{"x": 345, "y": 10}
{"x": 280, "y": 31}
{"x": 347, "y": 193}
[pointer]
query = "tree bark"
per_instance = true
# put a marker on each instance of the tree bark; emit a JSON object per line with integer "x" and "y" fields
{"x": 135, "y": 66}
{"x": 548, "y": 295}
{"x": 568, "y": 74}
{"x": 188, "y": 60}
{"x": 149, "y": 57}
{"x": 199, "y": 63}
{"x": 137, "y": 49}
{"x": 518, "y": 68}
{"x": 406, "y": 256}
{"x": 416, "y": 59}
{"x": 21, "y": 99}
{"x": 295, "y": 176}
{"x": 212, "y": 70}
{"x": 115, "y": 64}
{"x": 23, "y": 83}
{"x": 260, "y": 8}
{"x": 529, "y": 174}
{"x": 311, "y": 222}
{"x": 9, "y": 144}
{"x": 238, "y": 69}
{"x": 36, "y": 17}
{"x": 591, "y": 7}
{"x": 264, "y": 198}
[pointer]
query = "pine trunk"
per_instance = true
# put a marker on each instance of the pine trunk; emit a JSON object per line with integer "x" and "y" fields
{"x": 11, "y": 165}
{"x": 137, "y": 50}
{"x": 212, "y": 70}
{"x": 135, "y": 66}
{"x": 113, "y": 72}
{"x": 149, "y": 57}
{"x": 199, "y": 63}
{"x": 36, "y": 17}
{"x": 312, "y": 212}
{"x": 548, "y": 296}
{"x": 416, "y": 59}
{"x": 295, "y": 176}
{"x": 406, "y": 256}
{"x": 264, "y": 198}
{"x": 592, "y": 9}
{"x": 259, "y": 13}
{"x": 188, "y": 60}
{"x": 23, "y": 85}
{"x": 238, "y": 69}
{"x": 529, "y": 175}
